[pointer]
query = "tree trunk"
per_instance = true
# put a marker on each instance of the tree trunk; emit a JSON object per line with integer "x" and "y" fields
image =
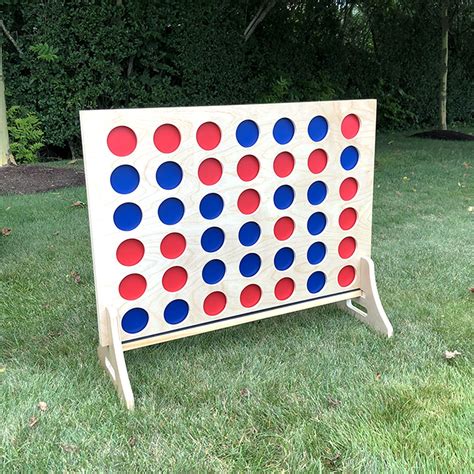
{"x": 443, "y": 83}
{"x": 4, "y": 143}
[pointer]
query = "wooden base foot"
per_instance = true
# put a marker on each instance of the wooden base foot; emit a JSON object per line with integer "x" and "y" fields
{"x": 374, "y": 314}
{"x": 112, "y": 359}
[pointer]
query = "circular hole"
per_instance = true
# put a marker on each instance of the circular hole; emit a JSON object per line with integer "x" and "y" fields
{"x": 316, "y": 223}
{"x": 284, "y": 289}
{"x": 347, "y": 218}
{"x": 169, "y": 175}
{"x": 134, "y": 320}
{"x": 317, "y": 193}
{"x": 316, "y": 253}
{"x": 214, "y": 303}
{"x": 124, "y": 179}
{"x": 284, "y": 228}
{"x": 317, "y": 161}
{"x": 348, "y": 189}
{"x": 132, "y": 286}
{"x": 347, "y": 247}
{"x": 210, "y": 171}
{"x": 167, "y": 138}
{"x": 346, "y": 276}
{"x": 283, "y": 164}
{"x": 127, "y": 216}
{"x": 249, "y": 234}
{"x": 250, "y": 265}
{"x": 213, "y": 272}
{"x": 176, "y": 311}
{"x": 283, "y": 131}
{"x": 350, "y": 126}
{"x": 248, "y": 201}
{"x": 130, "y": 252}
{"x": 316, "y": 282}
{"x": 122, "y": 141}
{"x": 174, "y": 279}
{"x": 250, "y": 296}
{"x": 284, "y": 258}
{"x": 247, "y": 133}
{"x": 171, "y": 211}
{"x": 248, "y": 168}
{"x": 349, "y": 157}
{"x": 212, "y": 239}
{"x": 317, "y": 128}
{"x": 173, "y": 245}
{"x": 283, "y": 197}
{"x": 208, "y": 136}
{"x": 211, "y": 206}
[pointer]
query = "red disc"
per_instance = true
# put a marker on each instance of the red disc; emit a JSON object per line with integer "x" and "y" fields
{"x": 248, "y": 201}
{"x": 317, "y": 161}
{"x": 132, "y": 286}
{"x": 250, "y": 296}
{"x": 122, "y": 141}
{"x": 283, "y": 164}
{"x": 347, "y": 247}
{"x": 350, "y": 126}
{"x": 167, "y": 138}
{"x": 347, "y": 218}
{"x": 248, "y": 168}
{"x": 283, "y": 228}
{"x": 284, "y": 288}
{"x": 174, "y": 278}
{"x": 208, "y": 136}
{"x": 130, "y": 252}
{"x": 173, "y": 245}
{"x": 214, "y": 303}
{"x": 346, "y": 276}
{"x": 210, "y": 171}
{"x": 348, "y": 189}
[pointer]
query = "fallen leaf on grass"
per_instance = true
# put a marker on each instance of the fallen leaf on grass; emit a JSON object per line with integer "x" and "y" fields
{"x": 2, "y": 369}
{"x": 69, "y": 448}
{"x": 77, "y": 204}
{"x": 33, "y": 422}
{"x": 378, "y": 376}
{"x": 132, "y": 441}
{"x": 244, "y": 392}
{"x": 75, "y": 276}
{"x": 6, "y": 231}
{"x": 398, "y": 193}
{"x": 451, "y": 354}
{"x": 466, "y": 165}
{"x": 471, "y": 289}
{"x": 43, "y": 406}
{"x": 333, "y": 402}
{"x": 331, "y": 461}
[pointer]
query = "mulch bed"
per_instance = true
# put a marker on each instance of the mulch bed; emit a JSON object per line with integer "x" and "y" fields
{"x": 37, "y": 179}
{"x": 444, "y": 135}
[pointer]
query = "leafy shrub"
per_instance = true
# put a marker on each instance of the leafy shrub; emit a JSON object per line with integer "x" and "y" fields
{"x": 26, "y": 134}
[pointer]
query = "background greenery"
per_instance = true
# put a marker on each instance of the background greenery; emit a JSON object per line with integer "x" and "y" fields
{"x": 102, "y": 54}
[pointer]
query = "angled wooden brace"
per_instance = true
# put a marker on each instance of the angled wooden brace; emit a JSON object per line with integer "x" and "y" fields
{"x": 374, "y": 316}
{"x": 112, "y": 359}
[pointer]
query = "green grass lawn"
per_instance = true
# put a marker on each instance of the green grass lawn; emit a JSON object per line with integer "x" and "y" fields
{"x": 311, "y": 391}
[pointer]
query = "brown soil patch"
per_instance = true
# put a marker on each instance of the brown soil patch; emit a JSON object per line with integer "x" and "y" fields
{"x": 444, "y": 135}
{"x": 37, "y": 179}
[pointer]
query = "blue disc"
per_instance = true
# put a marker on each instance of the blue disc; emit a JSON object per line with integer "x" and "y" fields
{"x": 316, "y": 223}
{"x": 317, "y": 192}
{"x": 316, "y": 253}
{"x": 349, "y": 157}
{"x": 318, "y": 128}
{"x": 247, "y": 133}
{"x": 283, "y": 197}
{"x": 134, "y": 320}
{"x": 211, "y": 206}
{"x": 249, "y": 233}
{"x": 213, "y": 272}
{"x": 176, "y": 311}
{"x": 124, "y": 179}
{"x": 127, "y": 216}
{"x": 212, "y": 239}
{"x": 171, "y": 211}
{"x": 284, "y": 258}
{"x": 316, "y": 282}
{"x": 169, "y": 175}
{"x": 283, "y": 131}
{"x": 250, "y": 265}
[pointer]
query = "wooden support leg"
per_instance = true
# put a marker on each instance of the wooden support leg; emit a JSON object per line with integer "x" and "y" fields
{"x": 374, "y": 315}
{"x": 112, "y": 359}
